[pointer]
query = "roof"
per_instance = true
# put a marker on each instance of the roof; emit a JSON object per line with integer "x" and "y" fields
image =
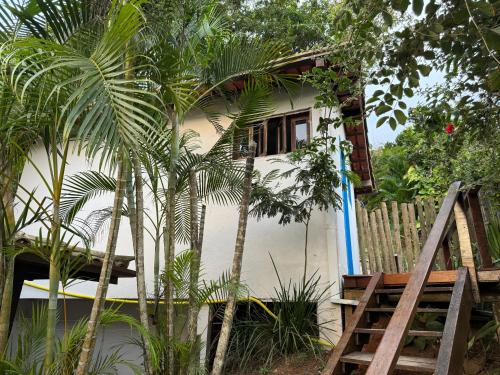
{"x": 88, "y": 263}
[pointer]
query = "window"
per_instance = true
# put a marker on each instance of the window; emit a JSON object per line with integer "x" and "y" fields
{"x": 276, "y": 135}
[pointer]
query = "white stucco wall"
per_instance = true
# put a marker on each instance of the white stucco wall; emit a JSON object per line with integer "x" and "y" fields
{"x": 327, "y": 244}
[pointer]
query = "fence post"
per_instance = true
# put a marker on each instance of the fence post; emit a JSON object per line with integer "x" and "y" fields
{"x": 362, "y": 238}
{"x": 387, "y": 229}
{"x": 422, "y": 219}
{"x": 414, "y": 234}
{"x": 376, "y": 243}
{"x": 407, "y": 236}
{"x": 397, "y": 235}
{"x": 370, "y": 243}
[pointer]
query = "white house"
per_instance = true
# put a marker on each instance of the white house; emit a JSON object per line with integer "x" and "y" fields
{"x": 333, "y": 244}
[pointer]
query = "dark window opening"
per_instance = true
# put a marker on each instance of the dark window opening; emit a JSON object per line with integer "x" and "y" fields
{"x": 276, "y": 135}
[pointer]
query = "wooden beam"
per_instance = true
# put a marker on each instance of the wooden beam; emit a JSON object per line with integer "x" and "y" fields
{"x": 479, "y": 229}
{"x": 436, "y": 277}
{"x": 466, "y": 252}
{"x": 386, "y": 356}
{"x": 454, "y": 341}
{"x": 490, "y": 276}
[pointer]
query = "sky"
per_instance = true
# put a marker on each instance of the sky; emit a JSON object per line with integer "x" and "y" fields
{"x": 383, "y": 134}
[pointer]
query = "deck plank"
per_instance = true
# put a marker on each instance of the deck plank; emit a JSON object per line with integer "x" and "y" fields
{"x": 405, "y": 362}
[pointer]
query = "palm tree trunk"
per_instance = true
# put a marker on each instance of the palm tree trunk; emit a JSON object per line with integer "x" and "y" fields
{"x": 202, "y": 229}
{"x": 194, "y": 273}
{"x": 156, "y": 267}
{"x": 139, "y": 258}
{"x": 170, "y": 241}
{"x": 55, "y": 239}
{"x": 107, "y": 264}
{"x": 132, "y": 212}
{"x": 2, "y": 244}
{"x": 5, "y": 311}
{"x": 54, "y": 278}
{"x": 227, "y": 323}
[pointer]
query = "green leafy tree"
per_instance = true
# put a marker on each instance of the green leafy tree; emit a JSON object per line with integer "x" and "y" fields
{"x": 316, "y": 179}
{"x": 300, "y": 25}
{"x": 428, "y": 156}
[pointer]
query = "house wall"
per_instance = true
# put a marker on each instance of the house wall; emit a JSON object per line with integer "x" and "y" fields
{"x": 265, "y": 238}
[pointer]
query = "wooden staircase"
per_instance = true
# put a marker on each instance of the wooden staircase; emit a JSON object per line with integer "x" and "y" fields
{"x": 374, "y": 337}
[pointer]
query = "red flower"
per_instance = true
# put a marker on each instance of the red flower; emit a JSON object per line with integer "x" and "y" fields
{"x": 450, "y": 128}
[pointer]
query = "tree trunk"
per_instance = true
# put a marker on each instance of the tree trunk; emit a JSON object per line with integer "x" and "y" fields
{"x": 55, "y": 239}
{"x": 194, "y": 273}
{"x": 2, "y": 244}
{"x": 107, "y": 265}
{"x": 54, "y": 278}
{"x": 236, "y": 267}
{"x": 6, "y": 307}
{"x": 139, "y": 258}
{"x": 170, "y": 241}
{"x": 156, "y": 270}
{"x": 132, "y": 211}
{"x": 202, "y": 229}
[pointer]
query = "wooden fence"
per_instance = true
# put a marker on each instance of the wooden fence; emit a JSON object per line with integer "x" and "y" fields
{"x": 392, "y": 235}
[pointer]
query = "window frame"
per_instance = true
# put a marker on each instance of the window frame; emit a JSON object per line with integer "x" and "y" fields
{"x": 293, "y": 117}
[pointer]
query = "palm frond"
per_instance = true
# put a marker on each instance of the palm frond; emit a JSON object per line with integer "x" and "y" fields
{"x": 103, "y": 109}
{"x": 78, "y": 189}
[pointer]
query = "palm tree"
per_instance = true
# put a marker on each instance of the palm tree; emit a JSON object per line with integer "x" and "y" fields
{"x": 104, "y": 111}
{"x": 237, "y": 264}
{"x": 197, "y": 57}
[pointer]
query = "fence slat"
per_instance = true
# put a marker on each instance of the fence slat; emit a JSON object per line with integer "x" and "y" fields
{"x": 376, "y": 242}
{"x": 430, "y": 211}
{"x": 407, "y": 236}
{"x": 422, "y": 219}
{"x": 383, "y": 241}
{"x": 387, "y": 230}
{"x": 414, "y": 233}
{"x": 397, "y": 235}
{"x": 369, "y": 242}
{"x": 362, "y": 238}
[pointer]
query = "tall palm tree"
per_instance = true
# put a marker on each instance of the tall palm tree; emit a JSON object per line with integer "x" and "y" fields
{"x": 196, "y": 56}
{"x": 83, "y": 62}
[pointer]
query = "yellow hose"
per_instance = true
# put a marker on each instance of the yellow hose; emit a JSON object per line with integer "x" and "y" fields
{"x": 134, "y": 301}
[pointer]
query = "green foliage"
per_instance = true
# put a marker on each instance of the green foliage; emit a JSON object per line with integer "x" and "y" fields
{"x": 493, "y": 236}
{"x": 316, "y": 179}
{"x": 25, "y": 355}
{"x": 207, "y": 291}
{"x": 424, "y": 160}
{"x": 484, "y": 335}
{"x": 258, "y": 339}
{"x": 424, "y": 322}
{"x": 300, "y": 25}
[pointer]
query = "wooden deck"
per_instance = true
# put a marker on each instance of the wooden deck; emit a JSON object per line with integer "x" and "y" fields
{"x": 389, "y": 302}
{"x": 435, "y": 278}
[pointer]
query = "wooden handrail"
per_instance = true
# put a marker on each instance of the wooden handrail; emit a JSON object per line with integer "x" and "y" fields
{"x": 388, "y": 351}
{"x": 454, "y": 340}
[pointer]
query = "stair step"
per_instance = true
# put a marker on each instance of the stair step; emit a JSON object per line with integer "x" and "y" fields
{"x": 405, "y": 363}
{"x": 439, "y": 289}
{"x": 381, "y": 331}
{"x": 419, "y": 310}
